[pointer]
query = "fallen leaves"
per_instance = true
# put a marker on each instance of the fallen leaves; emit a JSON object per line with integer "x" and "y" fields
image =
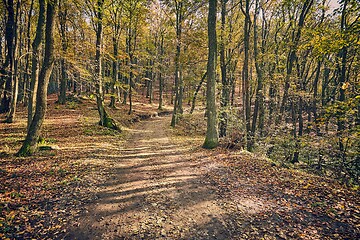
{"x": 298, "y": 205}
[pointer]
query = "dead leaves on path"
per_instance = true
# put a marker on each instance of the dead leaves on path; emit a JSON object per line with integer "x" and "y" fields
{"x": 268, "y": 202}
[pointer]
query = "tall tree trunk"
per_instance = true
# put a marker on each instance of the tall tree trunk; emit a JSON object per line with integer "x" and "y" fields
{"x": 177, "y": 76}
{"x": 115, "y": 66}
{"x": 342, "y": 75}
{"x": 161, "y": 80}
{"x": 105, "y": 119}
{"x": 35, "y": 62}
{"x": 259, "y": 72}
{"x": 26, "y": 86}
{"x": 9, "y": 60}
{"x": 63, "y": 80}
{"x": 211, "y": 139}
{"x": 314, "y": 101}
{"x": 14, "y": 67}
{"x": 225, "y": 95}
{"x": 30, "y": 144}
{"x": 246, "y": 83}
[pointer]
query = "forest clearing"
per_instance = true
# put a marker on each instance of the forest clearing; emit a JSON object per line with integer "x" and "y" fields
{"x": 179, "y": 119}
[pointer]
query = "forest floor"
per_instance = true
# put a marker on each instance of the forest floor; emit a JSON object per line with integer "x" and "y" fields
{"x": 154, "y": 182}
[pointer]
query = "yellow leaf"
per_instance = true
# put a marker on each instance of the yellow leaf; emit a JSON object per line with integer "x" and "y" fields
{"x": 345, "y": 86}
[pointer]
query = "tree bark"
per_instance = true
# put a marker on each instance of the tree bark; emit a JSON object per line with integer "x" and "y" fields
{"x": 259, "y": 72}
{"x": 30, "y": 144}
{"x": 178, "y": 87}
{"x": 8, "y": 66}
{"x": 105, "y": 119}
{"x": 246, "y": 83}
{"x": 14, "y": 67}
{"x": 35, "y": 62}
{"x": 63, "y": 80}
{"x": 115, "y": 67}
{"x": 211, "y": 139}
{"x": 196, "y": 92}
{"x": 161, "y": 80}
{"x": 225, "y": 94}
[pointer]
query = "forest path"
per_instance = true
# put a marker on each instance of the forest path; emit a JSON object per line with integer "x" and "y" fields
{"x": 156, "y": 190}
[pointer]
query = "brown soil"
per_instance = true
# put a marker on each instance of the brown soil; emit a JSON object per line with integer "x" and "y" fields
{"x": 156, "y": 190}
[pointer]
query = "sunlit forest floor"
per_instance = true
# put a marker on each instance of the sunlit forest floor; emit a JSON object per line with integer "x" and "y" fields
{"x": 154, "y": 182}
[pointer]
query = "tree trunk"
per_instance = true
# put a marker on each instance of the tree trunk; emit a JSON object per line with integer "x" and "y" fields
{"x": 30, "y": 144}
{"x": 314, "y": 101}
{"x": 196, "y": 92}
{"x": 211, "y": 139}
{"x": 342, "y": 77}
{"x": 225, "y": 95}
{"x": 259, "y": 72}
{"x": 14, "y": 67}
{"x": 10, "y": 34}
{"x": 178, "y": 87}
{"x": 27, "y": 78}
{"x": 63, "y": 79}
{"x": 246, "y": 84}
{"x": 35, "y": 62}
{"x": 161, "y": 80}
{"x": 105, "y": 119}
{"x": 115, "y": 67}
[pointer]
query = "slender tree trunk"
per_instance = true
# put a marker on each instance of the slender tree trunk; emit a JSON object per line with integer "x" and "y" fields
{"x": 27, "y": 58}
{"x": 225, "y": 95}
{"x": 161, "y": 80}
{"x": 259, "y": 73}
{"x": 105, "y": 119}
{"x": 314, "y": 101}
{"x": 211, "y": 139}
{"x": 196, "y": 92}
{"x": 178, "y": 88}
{"x": 114, "y": 73}
{"x": 8, "y": 66}
{"x": 14, "y": 67}
{"x": 342, "y": 76}
{"x": 35, "y": 62}
{"x": 30, "y": 144}
{"x": 63, "y": 80}
{"x": 246, "y": 84}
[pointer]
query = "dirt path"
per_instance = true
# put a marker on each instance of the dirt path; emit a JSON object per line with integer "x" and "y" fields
{"x": 156, "y": 191}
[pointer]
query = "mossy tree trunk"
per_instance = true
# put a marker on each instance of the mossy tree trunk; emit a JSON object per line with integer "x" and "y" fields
{"x": 211, "y": 139}
{"x": 30, "y": 144}
{"x": 105, "y": 119}
{"x": 35, "y": 62}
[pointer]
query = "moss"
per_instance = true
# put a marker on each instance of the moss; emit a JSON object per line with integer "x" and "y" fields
{"x": 110, "y": 123}
{"x": 26, "y": 150}
{"x": 210, "y": 144}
